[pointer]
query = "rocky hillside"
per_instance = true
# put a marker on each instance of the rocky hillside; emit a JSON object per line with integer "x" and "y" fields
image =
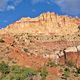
{"x": 46, "y": 41}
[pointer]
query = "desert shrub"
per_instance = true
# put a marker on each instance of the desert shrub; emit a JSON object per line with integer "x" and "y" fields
{"x": 70, "y": 63}
{"x": 16, "y": 72}
{"x": 43, "y": 73}
{"x": 22, "y": 73}
{"x": 26, "y": 50}
{"x": 51, "y": 63}
{"x": 4, "y": 68}
{"x": 66, "y": 73}
{"x": 15, "y": 69}
{"x": 29, "y": 71}
{"x": 77, "y": 72}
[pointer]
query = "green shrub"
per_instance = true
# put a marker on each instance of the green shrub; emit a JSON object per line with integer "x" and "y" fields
{"x": 28, "y": 72}
{"x": 66, "y": 72}
{"x": 43, "y": 73}
{"x": 15, "y": 69}
{"x": 4, "y": 68}
{"x": 16, "y": 73}
{"x": 23, "y": 73}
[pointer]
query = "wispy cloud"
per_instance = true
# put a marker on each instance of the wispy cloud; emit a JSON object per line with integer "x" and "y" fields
{"x": 41, "y": 1}
{"x": 71, "y": 7}
{"x": 8, "y": 4}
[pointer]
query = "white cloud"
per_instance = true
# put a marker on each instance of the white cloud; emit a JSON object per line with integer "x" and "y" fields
{"x": 3, "y": 5}
{"x": 10, "y": 7}
{"x": 8, "y": 4}
{"x": 71, "y": 7}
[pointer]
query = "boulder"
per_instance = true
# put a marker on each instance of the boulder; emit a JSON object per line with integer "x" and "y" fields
{"x": 71, "y": 49}
{"x": 78, "y": 47}
{"x": 61, "y": 53}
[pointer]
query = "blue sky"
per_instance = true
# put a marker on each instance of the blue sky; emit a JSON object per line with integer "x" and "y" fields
{"x": 12, "y": 10}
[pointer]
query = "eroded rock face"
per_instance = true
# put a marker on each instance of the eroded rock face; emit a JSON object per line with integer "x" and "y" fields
{"x": 46, "y": 23}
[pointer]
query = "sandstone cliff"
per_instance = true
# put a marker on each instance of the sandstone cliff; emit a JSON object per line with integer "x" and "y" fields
{"x": 47, "y": 23}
